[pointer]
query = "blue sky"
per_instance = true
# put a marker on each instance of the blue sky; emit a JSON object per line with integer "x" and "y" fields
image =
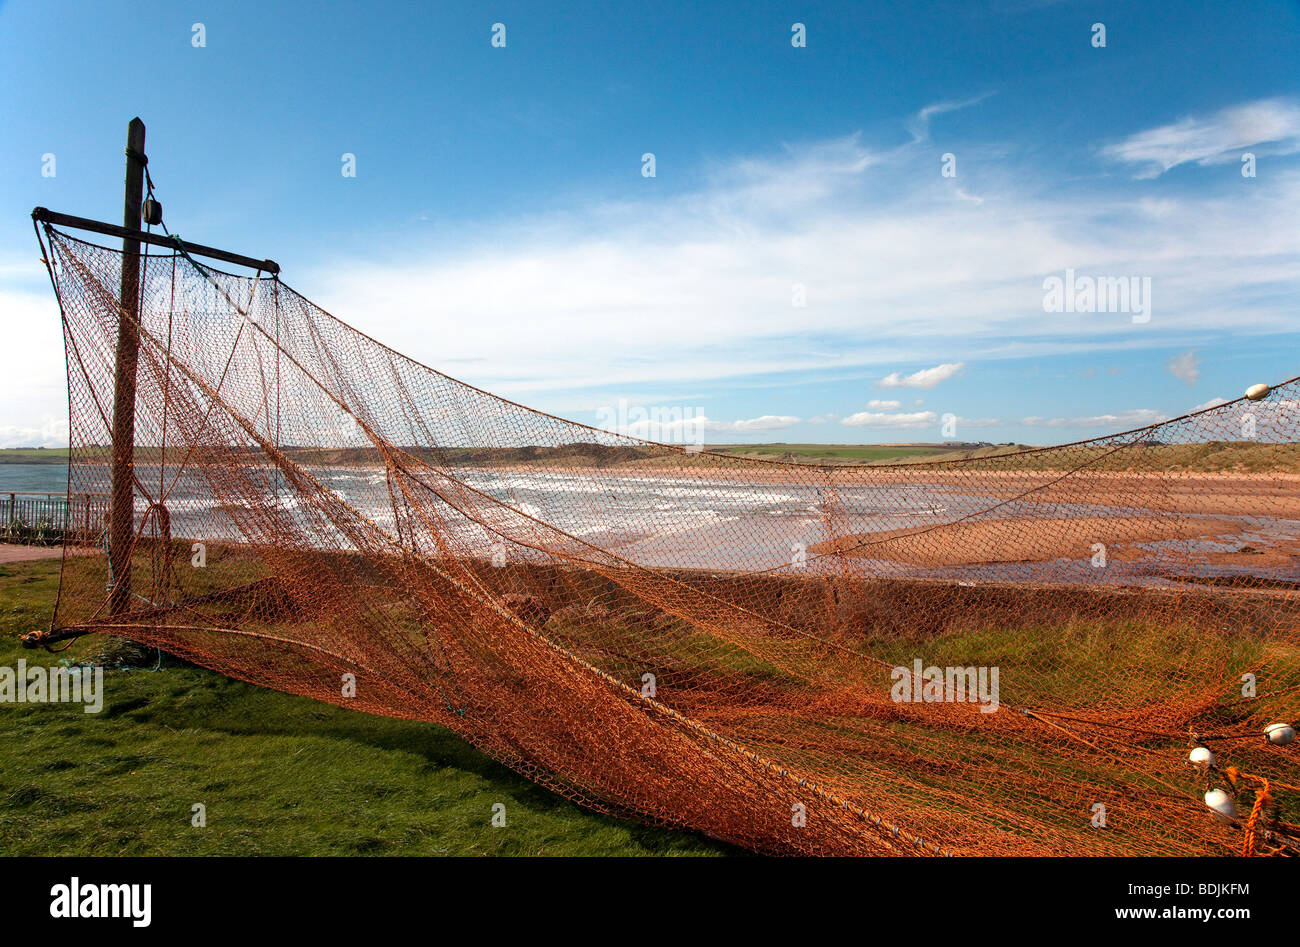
{"x": 500, "y": 227}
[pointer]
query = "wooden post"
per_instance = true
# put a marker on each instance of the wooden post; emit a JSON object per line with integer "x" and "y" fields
{"x": 121, "y": 530}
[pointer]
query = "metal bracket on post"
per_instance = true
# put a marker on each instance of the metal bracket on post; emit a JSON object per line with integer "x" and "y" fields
{"x": 44, "y": 216}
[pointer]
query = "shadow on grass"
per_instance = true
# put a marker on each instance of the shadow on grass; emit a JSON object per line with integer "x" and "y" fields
{"x": 216, "y": 704}
{"x": 283, "y": 774}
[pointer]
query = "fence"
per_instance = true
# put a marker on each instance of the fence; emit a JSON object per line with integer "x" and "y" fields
{"x": 48, "y": 518}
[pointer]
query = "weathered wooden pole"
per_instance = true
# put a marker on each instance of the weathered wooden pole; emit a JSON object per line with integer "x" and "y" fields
{"x": 121, "y": 526}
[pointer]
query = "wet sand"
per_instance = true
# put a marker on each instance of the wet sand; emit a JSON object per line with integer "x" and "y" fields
{"x": 988, "y": 541}
{"x": 1234, "y": 494}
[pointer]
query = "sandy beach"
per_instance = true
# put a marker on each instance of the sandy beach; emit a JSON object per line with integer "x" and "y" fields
{"x": 984, "y": 542}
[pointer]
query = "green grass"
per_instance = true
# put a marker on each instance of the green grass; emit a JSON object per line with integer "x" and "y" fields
{"x": 1076, "y": 663}
{"x": 34, "y": 455}
{"x": 278, "y": 774}
{"x": 286, "y": 775}
{"x": 1200, "y": 456}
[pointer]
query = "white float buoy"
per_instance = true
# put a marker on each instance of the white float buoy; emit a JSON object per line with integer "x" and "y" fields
{"x": 1279, "y": 734}
{"x": 1258, "y": 392}
{"x": 1201, "y": 757}
{"x": 1221, "y": 805}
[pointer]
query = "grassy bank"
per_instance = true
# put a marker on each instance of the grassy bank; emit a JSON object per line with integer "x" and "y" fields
{"x": 278, "y": 775}
{"x": 1198, "y": 457}
{"x": 858, "y": 453}
{"x": 34, "y": 455}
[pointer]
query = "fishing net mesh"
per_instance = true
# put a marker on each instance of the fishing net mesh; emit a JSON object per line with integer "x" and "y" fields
{"x": 1002, "y": 654}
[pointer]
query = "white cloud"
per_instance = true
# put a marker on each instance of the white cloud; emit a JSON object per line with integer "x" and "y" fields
{"x": 52, "y": 433}
{"x": 881, "y": 419}
{"x": 1212, "y": 403}
{"x": 1138, "y": 417}
{"x": 768, "y": 422}
{"x": 925, "y": 378}
{"x": 672, "y": 291}
{"x": 1186, "y": 367}
{"x": 1212, "y": 139}
{"x": 919, "y": 124}
{"x": 33, "y": 388}
{"x": 674, "y": 429}
{"x": 877, "y": 404}
{"x": 667, "y": 292}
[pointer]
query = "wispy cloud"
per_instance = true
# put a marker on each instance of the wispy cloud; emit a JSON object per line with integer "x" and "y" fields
{"x": 880, "y": 419}
{"x": 768, "y": 422}
{"x": 1212, "y": 139}
{"x": 1138, "y": 417}
{"x": 925, "y": 378}
{"x": 672, "y": 292}
{"x": 919, "y": 124}
{"x": 1186, "y": 367}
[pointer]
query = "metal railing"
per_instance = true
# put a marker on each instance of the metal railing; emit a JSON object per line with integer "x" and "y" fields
{"x": 48, "y": 519}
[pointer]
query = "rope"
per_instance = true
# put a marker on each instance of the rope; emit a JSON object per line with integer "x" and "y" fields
{"x": 1262, "y": 799}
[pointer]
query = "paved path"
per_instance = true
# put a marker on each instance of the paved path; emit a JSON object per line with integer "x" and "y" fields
{"x": 13, "y": 552}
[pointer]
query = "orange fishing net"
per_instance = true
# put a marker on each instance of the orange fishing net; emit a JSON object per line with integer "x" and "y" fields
{"x": 1003, "y": 654}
